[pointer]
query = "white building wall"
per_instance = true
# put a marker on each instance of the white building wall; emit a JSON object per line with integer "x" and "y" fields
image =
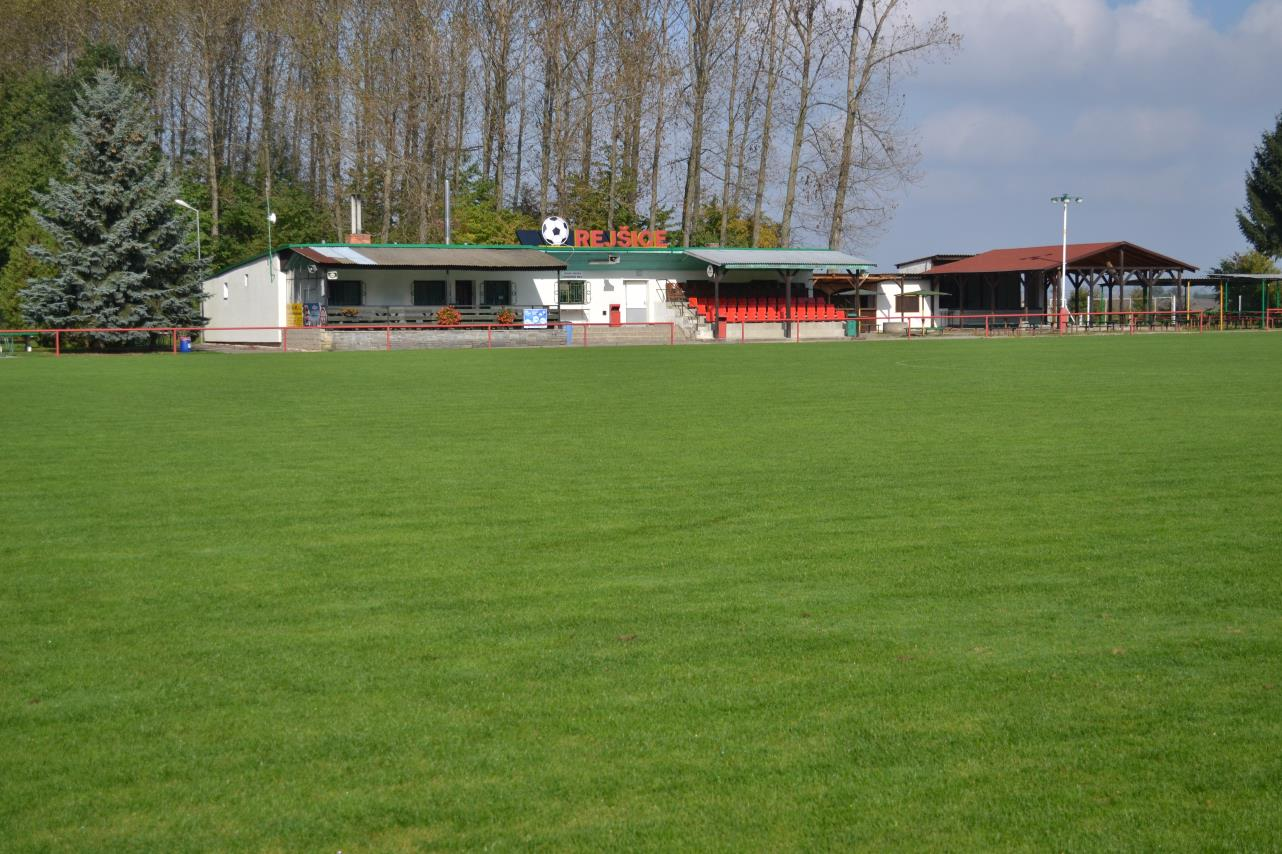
{"x": 606, "y": 289}
{"x": 889, "y": 291}
{"x": 396, "y": 287}
{"x": 246, "y": 296}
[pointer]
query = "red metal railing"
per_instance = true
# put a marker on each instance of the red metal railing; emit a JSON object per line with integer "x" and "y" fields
{"x": 175, "y": 333}
{"x": 579, "y": 334}
{"x": 1129, "y": 322}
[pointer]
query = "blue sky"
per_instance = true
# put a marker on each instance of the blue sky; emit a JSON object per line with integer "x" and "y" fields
{"x": 1149, "y": 109}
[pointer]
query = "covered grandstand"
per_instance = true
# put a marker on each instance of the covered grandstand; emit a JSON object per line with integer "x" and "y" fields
{"x": 1025, "y": 281}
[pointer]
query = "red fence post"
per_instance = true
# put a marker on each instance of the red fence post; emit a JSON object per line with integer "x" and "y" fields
{"x": 489, "y": 337}
{"x": 57, "y": 342}
{"x": 985, "y": 326}
{"x": 388, "y": 330}
{"x": 586, "y": 327}
{"x": 672, "y": 333}
{"x": 173, "y": 340}
{"x": 284, "y": 339}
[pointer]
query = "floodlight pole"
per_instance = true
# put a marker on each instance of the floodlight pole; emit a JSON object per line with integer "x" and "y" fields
{"x": 1065, "y": 200}
{"x": 271, "y": 251}
{"x": 196, "y": 211}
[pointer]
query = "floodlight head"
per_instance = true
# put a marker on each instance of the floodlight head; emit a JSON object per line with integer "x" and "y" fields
{"x": 271, "y": 217}
{"x": 183, "y": 204}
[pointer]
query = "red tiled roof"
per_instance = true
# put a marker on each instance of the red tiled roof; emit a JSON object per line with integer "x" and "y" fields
{"x": 1034, "y": 258}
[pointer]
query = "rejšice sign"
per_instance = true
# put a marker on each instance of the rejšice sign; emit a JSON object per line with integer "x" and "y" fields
{"x": 556, "y": 232}
{"x": 622, "y": 238}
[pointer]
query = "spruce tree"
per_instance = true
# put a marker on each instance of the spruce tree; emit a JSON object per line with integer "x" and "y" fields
{"x": 124, "y": 255}
{"x": 1261, "y": 222}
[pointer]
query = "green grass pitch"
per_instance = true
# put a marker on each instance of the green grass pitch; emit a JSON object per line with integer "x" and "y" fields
{"x": 1021, "y": 594}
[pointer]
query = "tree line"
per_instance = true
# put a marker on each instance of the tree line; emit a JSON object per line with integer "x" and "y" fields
{"x": 734, "y": 122}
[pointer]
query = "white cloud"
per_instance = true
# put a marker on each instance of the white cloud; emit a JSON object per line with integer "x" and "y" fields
{"x": 1121, "y": 133}
{"x": 1147, "y": 108}
{"x": 976, "y": 134}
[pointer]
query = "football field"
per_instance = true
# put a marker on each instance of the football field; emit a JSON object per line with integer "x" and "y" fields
{"x": 1007, "y": 594}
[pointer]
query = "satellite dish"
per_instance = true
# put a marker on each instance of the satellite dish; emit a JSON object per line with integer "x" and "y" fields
{"x": 711, "y": 271}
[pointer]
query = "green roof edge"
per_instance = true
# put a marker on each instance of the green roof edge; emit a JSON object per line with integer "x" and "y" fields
{"x": 569, "y": 249}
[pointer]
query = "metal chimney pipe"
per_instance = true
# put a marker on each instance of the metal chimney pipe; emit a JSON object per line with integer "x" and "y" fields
{"x": 356, "y": 213}
{"x": 447, "y": 210}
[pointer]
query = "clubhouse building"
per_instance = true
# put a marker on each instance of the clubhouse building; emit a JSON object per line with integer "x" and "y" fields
{"x": 623, "y": 279}
{"x": 364, "y": 285}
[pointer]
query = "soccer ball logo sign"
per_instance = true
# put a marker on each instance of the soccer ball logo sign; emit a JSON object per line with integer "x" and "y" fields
{"x": 556, "y": 231}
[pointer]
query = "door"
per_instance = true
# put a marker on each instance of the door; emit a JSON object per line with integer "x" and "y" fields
{"x": 634, "y": 299}
{"x": 614, "y": 314}
{"x": 464, "y": 295}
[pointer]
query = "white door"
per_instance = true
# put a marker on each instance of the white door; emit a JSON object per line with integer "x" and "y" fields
{"x": 634, "y": 301}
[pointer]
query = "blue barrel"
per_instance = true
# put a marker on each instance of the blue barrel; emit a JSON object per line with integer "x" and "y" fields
{"x": 184, "y": 344}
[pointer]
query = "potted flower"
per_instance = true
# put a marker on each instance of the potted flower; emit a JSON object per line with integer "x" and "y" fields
{"x": 448, "y": 316}
{"x": 506, "y": 317}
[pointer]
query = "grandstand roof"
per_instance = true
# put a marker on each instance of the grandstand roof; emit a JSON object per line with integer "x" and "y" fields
{"x": 776, "y": 259}
{"x": 1119, "y": 254}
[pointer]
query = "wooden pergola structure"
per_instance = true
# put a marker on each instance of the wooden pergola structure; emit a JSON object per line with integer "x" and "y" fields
{"x": 1026, "y": 280}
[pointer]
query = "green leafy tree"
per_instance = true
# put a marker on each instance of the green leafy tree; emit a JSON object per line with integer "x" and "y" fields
{"x": 20, "y": 270}
{"x": 476, "y": 218}
{"x": 707, "y": 228}
{"x": 1261, "y": 221}
{"x": 35, "y": 110}
{"x": 300, "y": 218}
{"x": 1250, "y": 262}
{"x": 123, "y": 257}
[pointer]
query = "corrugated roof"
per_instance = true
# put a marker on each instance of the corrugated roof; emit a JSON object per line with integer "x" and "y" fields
{"x": 1119, "y": 254}
{"x": 946, "y": 257}
{"x": 432, "y": 258}
{"x": 776, "y": 259}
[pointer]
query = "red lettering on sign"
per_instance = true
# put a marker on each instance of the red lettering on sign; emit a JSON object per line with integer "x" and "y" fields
{"x": 623, "y": 238}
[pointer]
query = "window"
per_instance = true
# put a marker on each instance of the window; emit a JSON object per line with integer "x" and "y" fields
{"x": 574, "y": 292}
{"x": 464, "y": 293}
{"x": 907, "y": 303}
{"x": 498, "y": 293}
{"x": 429, "y": 293}
{"x": 345, "y": 293}
{"x": 224, "y": 290}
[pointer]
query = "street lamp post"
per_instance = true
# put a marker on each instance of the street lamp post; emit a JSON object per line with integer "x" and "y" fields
{"x": 271, "y": 262}
{"x": 195, "y": 210}
{"x": 1065, "y": 200}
